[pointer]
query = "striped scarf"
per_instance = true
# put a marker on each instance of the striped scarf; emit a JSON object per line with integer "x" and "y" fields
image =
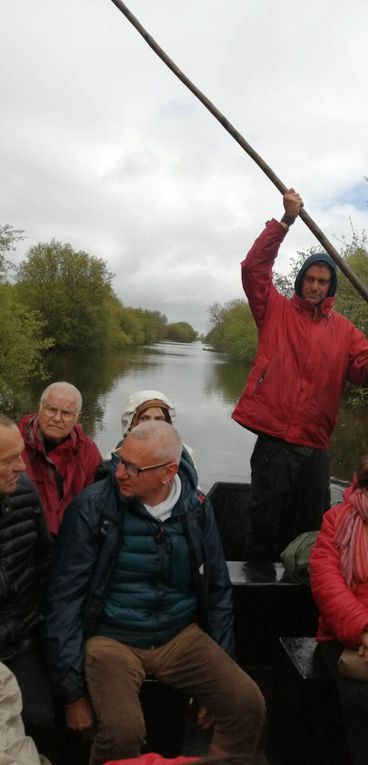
{"x": 351, "y": 537}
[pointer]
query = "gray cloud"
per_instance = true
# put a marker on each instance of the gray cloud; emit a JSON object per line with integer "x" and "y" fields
{"x": 101, "y": 146}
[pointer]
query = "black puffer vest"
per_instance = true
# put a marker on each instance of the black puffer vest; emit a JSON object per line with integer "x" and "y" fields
{"x": 25, "y": 549}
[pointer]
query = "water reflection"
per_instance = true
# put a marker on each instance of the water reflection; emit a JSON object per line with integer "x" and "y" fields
{"x": 228, "y": 378}
{"x": 203, "y": 385}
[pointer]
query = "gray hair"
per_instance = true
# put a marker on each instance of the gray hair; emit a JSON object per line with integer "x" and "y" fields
{"x": 168, "y": 445}
{"x": 69, "y": 387}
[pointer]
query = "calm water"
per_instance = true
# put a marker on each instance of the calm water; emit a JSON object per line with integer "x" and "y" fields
{"x": 203, "y": 386}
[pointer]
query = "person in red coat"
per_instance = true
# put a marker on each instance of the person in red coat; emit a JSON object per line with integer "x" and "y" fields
{"x": 339, "y": 580}
{"x": 306, "y": 352}
{"x": 60, "y": 459}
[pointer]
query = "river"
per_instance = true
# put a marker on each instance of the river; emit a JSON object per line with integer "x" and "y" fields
{"x": 204, "y": 387}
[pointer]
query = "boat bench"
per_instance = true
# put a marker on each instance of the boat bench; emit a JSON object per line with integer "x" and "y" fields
{"x": 305, "y": 719}
{"x": 267, "y": 605}
{"x": 299, "y": 656}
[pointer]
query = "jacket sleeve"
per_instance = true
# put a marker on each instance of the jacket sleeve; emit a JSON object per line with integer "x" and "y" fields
{"x": 75, "y": 553}
{"x": 219, "y": 596}
{"x": 257, "y": 269}
{"x": 358, "y": 358}
{"x": 92, "y": 461}
{"x": 344, "y": 615}
{"x": 43, "y": 552}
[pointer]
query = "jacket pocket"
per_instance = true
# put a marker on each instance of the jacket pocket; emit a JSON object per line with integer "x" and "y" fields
{"x": 256, "y": 379}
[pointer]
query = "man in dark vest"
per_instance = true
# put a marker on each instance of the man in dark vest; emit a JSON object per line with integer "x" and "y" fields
{"x": 139, "y": 586}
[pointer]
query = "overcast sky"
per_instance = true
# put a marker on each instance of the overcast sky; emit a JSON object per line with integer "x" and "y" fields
{"x": 101, "y": 146}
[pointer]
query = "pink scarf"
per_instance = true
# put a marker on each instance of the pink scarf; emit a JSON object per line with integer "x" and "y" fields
{"x": 351, "y": 537}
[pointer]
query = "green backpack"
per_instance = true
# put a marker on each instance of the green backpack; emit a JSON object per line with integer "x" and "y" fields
{"x": 295, "y": 557}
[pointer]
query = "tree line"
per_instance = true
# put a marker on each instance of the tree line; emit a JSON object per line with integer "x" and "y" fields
{"x": 234, "y": 332}
{"x": 62, "y": 299}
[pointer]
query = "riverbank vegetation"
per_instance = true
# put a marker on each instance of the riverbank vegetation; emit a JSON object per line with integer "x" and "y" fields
{"x": 62, "y": 299}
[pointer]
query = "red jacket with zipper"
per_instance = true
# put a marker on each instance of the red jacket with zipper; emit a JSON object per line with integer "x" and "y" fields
{"x": 303, "y": 358}
{"x": 76, "y": 459}
{"x": 343, "y": 611}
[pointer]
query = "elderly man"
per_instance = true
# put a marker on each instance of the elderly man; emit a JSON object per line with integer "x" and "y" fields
{"x": 59, "y": 457}
{"x": 25, "y": 547}
{"x": 306, "y": 352}
{"x": 140, "y": 586}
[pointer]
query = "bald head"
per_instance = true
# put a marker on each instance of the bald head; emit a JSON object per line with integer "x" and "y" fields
{"x": 163, "y": 440}
{"x": 149, "y": 459}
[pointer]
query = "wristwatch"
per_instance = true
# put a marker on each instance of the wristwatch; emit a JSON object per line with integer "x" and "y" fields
{"x": 288, "y": 219}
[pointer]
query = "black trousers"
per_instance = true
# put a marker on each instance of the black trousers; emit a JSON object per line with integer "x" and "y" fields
{"x": 27, "y": 664}
{"x": 290, "y": 492}
{"x": 354, "y": 704}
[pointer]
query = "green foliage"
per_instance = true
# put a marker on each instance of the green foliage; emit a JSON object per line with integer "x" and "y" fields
{"x": 180, "y": 332}
{"x": 134, "y": 326}
{"x": 233, "y": 329}
{"x": 70, "y": 290}
{"x": 348, "y": 302}
{"x": 21, "y": 342}
{"x": 153, "y": 324}
{"x": 8, "y": 237}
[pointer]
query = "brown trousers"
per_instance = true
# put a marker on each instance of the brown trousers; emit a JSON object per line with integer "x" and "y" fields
{"x": 192, "y": 662}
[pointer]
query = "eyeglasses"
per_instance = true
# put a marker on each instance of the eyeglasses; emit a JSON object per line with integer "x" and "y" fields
{"x": 65, "y": 414}
{"x": 133, "y": 470}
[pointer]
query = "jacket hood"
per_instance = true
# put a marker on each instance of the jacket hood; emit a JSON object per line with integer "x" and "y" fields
{"x": 145, "y": 399}
{"x": 187, "y": 471}
{"x": 317, "y": 257}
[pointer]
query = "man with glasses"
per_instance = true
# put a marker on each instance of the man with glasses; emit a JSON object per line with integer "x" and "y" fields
{"x": 60, "y": 459}
{"x": 139, "y": 586}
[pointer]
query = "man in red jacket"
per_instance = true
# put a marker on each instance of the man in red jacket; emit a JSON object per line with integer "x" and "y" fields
{"x": 305, "y": 353}
{"x": 60, "y": 459}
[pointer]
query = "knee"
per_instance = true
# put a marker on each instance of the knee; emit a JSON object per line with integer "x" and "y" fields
{"x": 239, "y": 729}
{"x": 121, "y": 738}
{"x": 250, "y": 706}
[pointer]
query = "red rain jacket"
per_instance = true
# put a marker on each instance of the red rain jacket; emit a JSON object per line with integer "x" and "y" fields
{"x": 303, "y": 359}
{"x": 153, "y": 759}
{"x": 77, "y": 459}
{"x": 343, "y": 612}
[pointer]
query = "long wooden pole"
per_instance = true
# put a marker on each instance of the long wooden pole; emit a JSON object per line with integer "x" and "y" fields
{"x": 326, "y": 244}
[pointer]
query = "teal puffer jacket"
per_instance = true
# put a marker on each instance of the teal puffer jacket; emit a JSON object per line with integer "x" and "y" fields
{"x": 86, "y": 550}
{"x": 150, "y": 598}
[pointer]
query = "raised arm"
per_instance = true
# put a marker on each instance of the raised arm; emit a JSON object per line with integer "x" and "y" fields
{"x": 257, "y": 266}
